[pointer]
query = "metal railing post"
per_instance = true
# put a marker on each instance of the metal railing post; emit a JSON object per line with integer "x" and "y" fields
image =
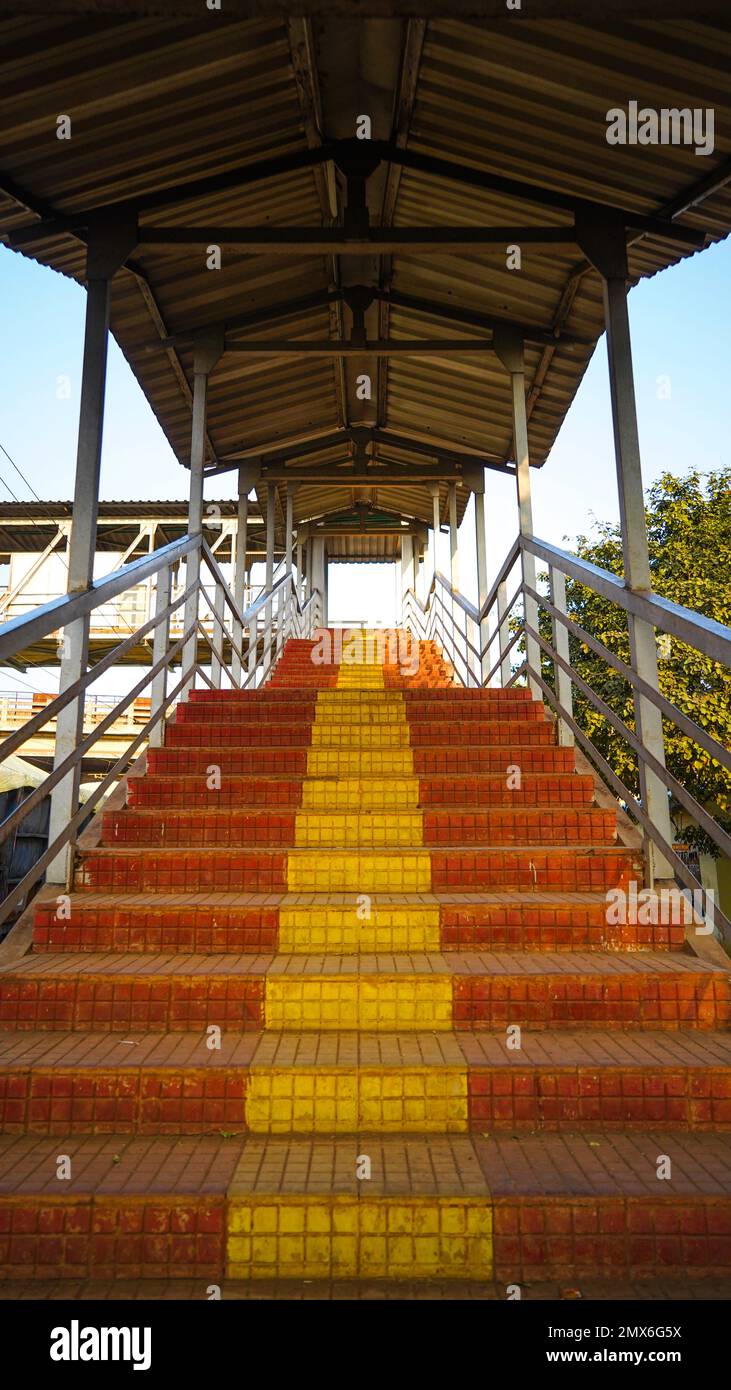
{"x": 563, "y": 683}
{"x": 218, "y": 636}
{"x": 160, "y": 644}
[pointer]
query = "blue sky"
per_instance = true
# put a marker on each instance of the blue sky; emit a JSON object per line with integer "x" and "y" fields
{"x": 680, "y": 333}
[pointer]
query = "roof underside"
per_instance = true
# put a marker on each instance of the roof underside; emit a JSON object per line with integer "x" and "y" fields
{"x": 156, "y": 103}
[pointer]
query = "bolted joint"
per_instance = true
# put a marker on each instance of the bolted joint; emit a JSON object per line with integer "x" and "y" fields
{"x": 507, "y": 343}
{"x": 208, "y": 348}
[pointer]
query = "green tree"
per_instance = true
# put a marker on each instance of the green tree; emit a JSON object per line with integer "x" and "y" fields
{"x": 689, "y": 538}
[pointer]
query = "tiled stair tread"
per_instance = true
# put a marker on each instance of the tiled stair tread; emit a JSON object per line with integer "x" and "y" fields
{"x": 490, "y": 963}
{"x": 120, "y": 1165}
{"x": 585, "y": 1048}
{"x": 544, "y": 1166}
{"x": 160, "y": 902}
{"x": 422, "y": 851}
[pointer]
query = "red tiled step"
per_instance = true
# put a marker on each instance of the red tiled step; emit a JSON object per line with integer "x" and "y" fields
{"x": 297, "y": 711}
{"x": 232, "y": 761}
{"x": 489, "y": 991}
{"x": 547, "y": 825}
{"x": 206, "y": 923}
{"x": 133, "y": 1208}
{"x": 546, "y": 922}
{"x": 186, "y": 791}
{"x": 220, "y": 734}
{"x": 190, "y": 871}
{"x": 251, "y": 826}
{"x": 134, "y": 994}
{"x": 233, "y": 923}
{"x": 199, "y": 828}
{"x": 470, "y": 760}
{"x": 539, "y": 789}
{"x": 428, "y": 710}
{"x": 498, "y": 732}
{"x": 583, "y": 869}
{"x": 272, "y": 791}
{"x": 639, "y": 990}
{"x": 577, "y": 1206}
{"x": 163, "y": 1084}
{"x": 608, "y": 1080}
{"x": 576, "y": 870}
{"x": 99, "y": 1083}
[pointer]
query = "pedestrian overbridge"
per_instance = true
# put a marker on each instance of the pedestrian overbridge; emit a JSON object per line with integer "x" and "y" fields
{"x": 387, "y": 871}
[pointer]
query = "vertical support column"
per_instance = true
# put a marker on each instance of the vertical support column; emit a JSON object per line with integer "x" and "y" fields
{"x": 110, "y": 242}
{"x": 269, "y": 576}
{"x": 407, "y": 573}
{"x": 563, "y": 683}
{"x": 453, "y": 538}
{"x": 288, "y": 546}
{"x": 436, "y": 524}
{"x": 207, "y": 351}
{"x": 239, "y": 576}
{"x": 509, "y": 348}
{"x": 325, "y": 585}
{"x": 160, "y": 642}
{"x": 604, "y": 243}
{"x": 482, "y": 588}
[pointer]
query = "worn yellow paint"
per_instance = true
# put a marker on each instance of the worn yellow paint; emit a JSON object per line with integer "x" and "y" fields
{"x": 360, "y": 794}
{"x": 331, "y": 1100}
{"x": 315, "y": 1237}
{"x": 345, "y": 930}
{"x": 375, "y": 1003}
{"x": 355, "y": 762}
{"x": 333, "y": 871}
{"x": 364, "y": 675}
{"x": 371, "y": 829}
{"x": 349, "y": 734}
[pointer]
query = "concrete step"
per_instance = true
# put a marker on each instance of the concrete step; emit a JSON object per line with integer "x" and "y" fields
{"x": 328, "y": 829}
{"x": 551, "y": 868}
{"x": 335, "y": 1082}
{"x": 338, "y": 924}
{"x": 438, "y": 991}
{"x": 515, "y": 1209}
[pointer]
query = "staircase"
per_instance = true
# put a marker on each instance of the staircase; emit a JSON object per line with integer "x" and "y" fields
{"x": 335, "y": 997}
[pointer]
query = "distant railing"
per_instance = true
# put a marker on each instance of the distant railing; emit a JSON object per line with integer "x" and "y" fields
{"x": 479, "y": 644}
{"x": 255, "y": 637}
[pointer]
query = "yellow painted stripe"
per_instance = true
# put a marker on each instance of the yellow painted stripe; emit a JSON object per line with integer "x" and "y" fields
{"x": 370, "y": 829}
{"x": 351, "y": 872}
{"x": 360, "y": 794}
{"x": 336, "y": 1100}
{"x": 349, "y": 734}
{"x": 377, "y": 1003}
{"x": 325, "y": 1237}
{"x": 364, "y": 927}
{"x": 350, "y": 762}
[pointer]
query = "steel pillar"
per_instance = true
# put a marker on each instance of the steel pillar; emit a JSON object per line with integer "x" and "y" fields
{"x": 604, "y": 243}
{"x": 269, "y": 573}
{"x": 453, "y": 538}
{"x": 482, "y": 586}
{"x": 207, "y": 351}
{"x": 509, "y": 348}
{"x": 109, "y": 245}
{"x": 239, "y": 575}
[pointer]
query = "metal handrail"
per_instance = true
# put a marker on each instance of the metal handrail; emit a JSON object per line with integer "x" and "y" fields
{"x": 283, "y": 615}
{"x": 705, "y": 635}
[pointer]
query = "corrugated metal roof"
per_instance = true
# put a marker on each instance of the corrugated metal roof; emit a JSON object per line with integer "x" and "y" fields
{"x": 155, "y": 103}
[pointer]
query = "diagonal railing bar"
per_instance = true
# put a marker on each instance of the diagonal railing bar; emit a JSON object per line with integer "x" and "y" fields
{"x": 685, "y": 798}
{"x": 53, "y": 709}
{"x": 671, "y": 711}
{"x": 450, "y": 614}
{"x": 637, "y": 810}
{"x": 36, "y": 872}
